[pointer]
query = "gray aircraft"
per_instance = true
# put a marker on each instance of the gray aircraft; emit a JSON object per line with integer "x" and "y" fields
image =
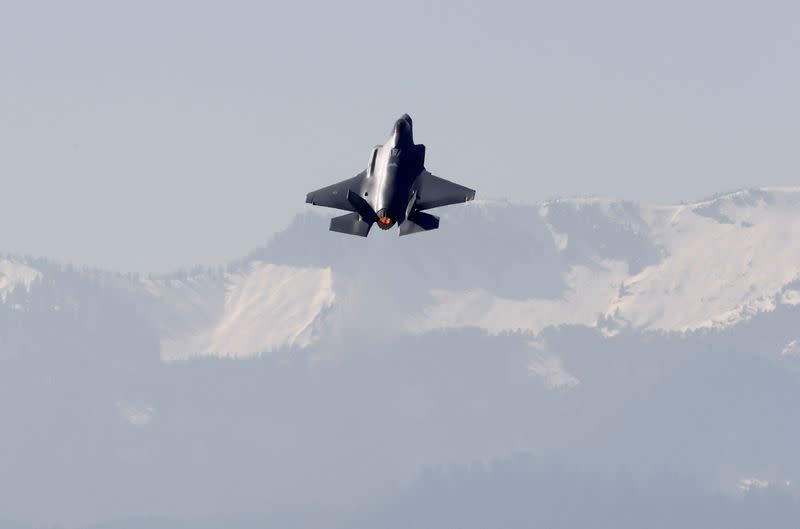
{"x": 394, "y": 188}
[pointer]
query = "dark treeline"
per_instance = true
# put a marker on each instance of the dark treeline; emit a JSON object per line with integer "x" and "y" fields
{"x": 87, "y": 438}
{"x": 522, "y": 492}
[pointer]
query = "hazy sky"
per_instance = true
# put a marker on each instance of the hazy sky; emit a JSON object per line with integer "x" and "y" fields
{"x": 146, "y": 135}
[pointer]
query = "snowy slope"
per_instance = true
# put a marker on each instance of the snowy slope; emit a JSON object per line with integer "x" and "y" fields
{"x": 260, "y": 309}
{"x": 721, "y": 262}
{"x": 727, "y": 259}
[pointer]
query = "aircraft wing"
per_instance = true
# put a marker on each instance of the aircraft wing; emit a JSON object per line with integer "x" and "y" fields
{"x": 335, "y": 196}
{"x": 433, "y": 192}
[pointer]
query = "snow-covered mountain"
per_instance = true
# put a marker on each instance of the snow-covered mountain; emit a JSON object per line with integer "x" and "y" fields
{"x": 325, "y": 369}
{"x": 496, "y": 266}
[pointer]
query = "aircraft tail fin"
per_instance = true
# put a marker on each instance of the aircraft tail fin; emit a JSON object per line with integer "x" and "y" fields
{"x": 351, "y": 224}
{"x": 419, "y": 221}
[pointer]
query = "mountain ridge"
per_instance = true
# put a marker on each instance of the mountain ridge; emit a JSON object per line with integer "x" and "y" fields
{"x": 516, "y": 329}
{"x": 495, "y": 265}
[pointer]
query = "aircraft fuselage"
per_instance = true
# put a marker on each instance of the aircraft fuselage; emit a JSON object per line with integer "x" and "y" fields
{"x": 393, "y": 168}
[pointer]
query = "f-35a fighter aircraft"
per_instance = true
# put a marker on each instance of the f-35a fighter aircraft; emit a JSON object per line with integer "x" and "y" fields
{"x": 394, "y": 188}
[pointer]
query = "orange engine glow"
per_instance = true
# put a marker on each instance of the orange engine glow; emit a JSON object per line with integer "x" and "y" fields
{"x": 385, "y": 222}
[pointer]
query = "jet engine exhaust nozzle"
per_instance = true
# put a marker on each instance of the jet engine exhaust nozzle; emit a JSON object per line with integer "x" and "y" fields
{"x": 385, "y": 221}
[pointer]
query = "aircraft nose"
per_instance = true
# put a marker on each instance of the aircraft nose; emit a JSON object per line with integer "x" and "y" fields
{"x": 402, "y": 131}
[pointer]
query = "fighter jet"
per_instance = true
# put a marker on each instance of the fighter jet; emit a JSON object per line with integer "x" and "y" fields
{"x": 395, "y": 188}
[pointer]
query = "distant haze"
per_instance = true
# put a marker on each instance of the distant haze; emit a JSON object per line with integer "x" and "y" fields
{"x": 145, "y": 136}
{"x": 586, "y": 363}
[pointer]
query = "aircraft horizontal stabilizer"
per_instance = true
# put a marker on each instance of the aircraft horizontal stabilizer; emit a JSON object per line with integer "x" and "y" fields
{"x": 350, "y": 224}
{"x": 419, "y": 221}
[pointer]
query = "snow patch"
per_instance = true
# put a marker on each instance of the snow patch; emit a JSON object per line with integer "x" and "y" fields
{"x": 135, "y": 414}
{"x": 792, "y": 349}
{"x": 750, "y": 484}
{"x": 790, "y": 297}
{"x": 14, "y": 273}
{"x": 550, "y": 369}
{"x": 589, "y": 293}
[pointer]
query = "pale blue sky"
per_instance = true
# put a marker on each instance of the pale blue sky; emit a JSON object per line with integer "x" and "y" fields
{"x": 141, "y": 136}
